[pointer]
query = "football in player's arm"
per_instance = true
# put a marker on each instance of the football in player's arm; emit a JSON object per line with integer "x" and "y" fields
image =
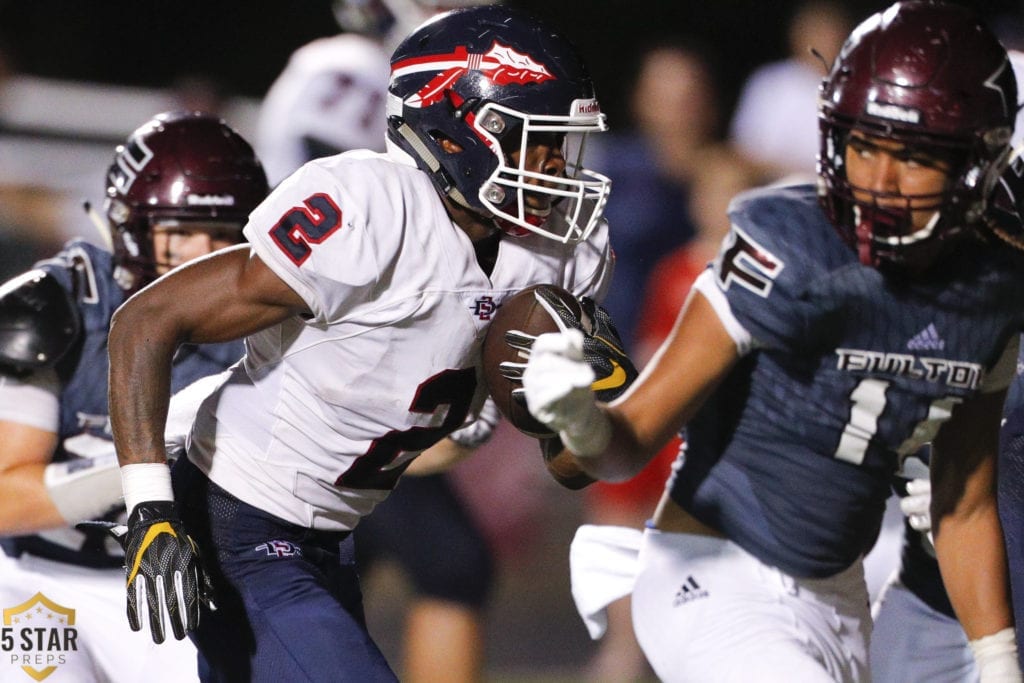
{"x": 842, "y": 327}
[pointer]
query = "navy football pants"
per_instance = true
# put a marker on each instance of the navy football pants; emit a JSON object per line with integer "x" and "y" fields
{"x": 289, "y": 607}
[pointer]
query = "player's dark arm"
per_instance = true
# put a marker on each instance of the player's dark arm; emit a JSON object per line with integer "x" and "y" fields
{"x": 224, "y": 296}
{"x": 965, "y": 523}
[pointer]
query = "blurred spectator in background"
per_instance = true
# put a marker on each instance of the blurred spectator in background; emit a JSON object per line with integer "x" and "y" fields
{"x": 330, "y": 99}
{"x": 724, "y": 173}
{"x": 721, "y": 175}
{"x": 29, "y": 219}
{"x": 29, "y": 226}
{"x": 675, "y": 116}
{"x": 776, "y": 117}
{"x": 199, "y": 92}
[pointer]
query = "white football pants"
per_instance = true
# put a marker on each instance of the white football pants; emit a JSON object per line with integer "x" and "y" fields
{"x": 704, "y": 610}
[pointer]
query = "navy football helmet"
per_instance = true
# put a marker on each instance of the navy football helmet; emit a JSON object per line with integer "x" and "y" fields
{"x": 177, "y": 166}
{"x": 488, "y": 78}
{"x": 931, "y": 76}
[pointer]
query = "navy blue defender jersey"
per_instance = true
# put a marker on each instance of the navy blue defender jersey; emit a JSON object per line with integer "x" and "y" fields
{"x": 793, "y": 455}
{"x": 86, "y": 271}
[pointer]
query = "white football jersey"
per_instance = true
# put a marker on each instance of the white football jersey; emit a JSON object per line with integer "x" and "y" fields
{"x": 323, "y": 414}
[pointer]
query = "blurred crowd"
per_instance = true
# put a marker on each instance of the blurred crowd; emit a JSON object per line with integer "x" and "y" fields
{"x": 684, "y": 149}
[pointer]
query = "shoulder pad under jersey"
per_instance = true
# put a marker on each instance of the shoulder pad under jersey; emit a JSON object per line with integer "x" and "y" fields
{"x": 38, "y": 322}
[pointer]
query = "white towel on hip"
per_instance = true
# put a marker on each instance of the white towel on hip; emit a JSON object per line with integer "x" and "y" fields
{"x": 602, "y": 567}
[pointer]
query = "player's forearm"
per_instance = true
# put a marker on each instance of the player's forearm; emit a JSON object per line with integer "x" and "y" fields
{"x": 38, "y": 494}
{"x": 35, "y": 497}
{"x": 140, "y": 352}
{"x": 439, "y": 458}
{"x": 972, "y": 557}
{"x": 25, "y": 505}
{"x": 607, "y": 448}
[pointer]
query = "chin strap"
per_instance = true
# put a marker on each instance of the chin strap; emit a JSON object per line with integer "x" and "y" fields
{"x": 102, "y": 226}
{"x": 441, "y": 177}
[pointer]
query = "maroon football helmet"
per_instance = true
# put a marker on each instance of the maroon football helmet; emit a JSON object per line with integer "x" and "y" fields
{"x": 931, "y": 76}
{"x": 177, "y": 166}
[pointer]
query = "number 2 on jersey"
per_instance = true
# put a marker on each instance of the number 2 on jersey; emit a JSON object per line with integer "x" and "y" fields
{"x": 452, "y": 388}
{"x": 301, "y": 226}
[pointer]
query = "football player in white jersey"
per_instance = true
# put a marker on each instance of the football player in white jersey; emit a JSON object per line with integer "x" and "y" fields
{"x": 831, "y": 338}
{"x": 363, "y": 298}
{"x": 329, "y": 99}
{"x": 179, "y": 187}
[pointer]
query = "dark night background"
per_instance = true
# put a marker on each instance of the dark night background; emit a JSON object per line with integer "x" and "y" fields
{"x": 243, "y": 45}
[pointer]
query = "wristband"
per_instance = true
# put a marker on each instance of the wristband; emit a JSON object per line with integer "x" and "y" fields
{"x": 996, "y": 657}
{"x": 146, "y": 481}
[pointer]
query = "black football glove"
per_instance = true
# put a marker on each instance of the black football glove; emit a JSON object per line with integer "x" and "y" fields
{"x": 602, "y": 349}
{"x": 163, "y": 569}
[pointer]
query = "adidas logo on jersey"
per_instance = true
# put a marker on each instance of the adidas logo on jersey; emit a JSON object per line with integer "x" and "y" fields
{"x": 927, "y": 339}
{"x": 689, "y": 591}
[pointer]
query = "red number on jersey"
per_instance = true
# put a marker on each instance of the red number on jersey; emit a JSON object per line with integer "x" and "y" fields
{"x": 453, "y": 388}
{"x": 302, "y": 225}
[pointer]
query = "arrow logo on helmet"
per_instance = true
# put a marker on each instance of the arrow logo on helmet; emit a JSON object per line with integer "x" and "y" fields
{"x": 502, "y": 65}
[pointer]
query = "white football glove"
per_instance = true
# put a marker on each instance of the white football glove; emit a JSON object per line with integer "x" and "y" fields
{"x": 557, "y": 385}
{"x": 916, "y": 505}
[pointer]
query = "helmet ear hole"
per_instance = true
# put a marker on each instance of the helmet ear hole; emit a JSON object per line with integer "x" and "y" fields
{"x": 447, "y": 144}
